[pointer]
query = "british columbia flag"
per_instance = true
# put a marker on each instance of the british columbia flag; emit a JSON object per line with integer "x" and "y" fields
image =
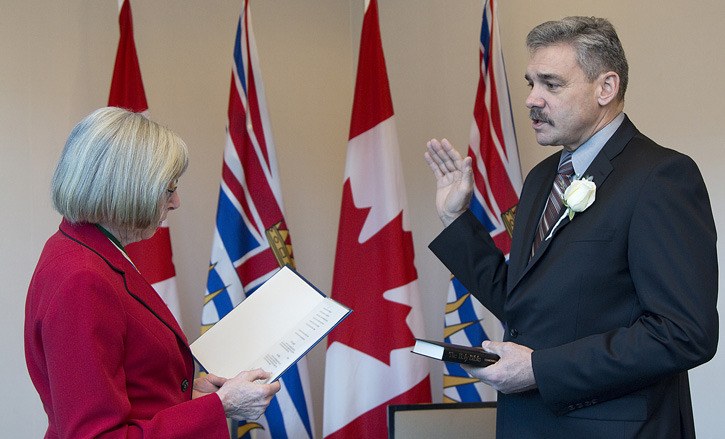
{"x": 497, "y": 175}
{"x": 251, "y": 240}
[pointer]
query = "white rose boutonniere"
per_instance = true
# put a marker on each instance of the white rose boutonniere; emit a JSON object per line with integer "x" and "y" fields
{"x": 577, "y": 198}
{"x": 579, "y": 195}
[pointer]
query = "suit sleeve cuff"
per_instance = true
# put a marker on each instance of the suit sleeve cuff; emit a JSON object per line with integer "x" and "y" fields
{"x": 450, "y": 238}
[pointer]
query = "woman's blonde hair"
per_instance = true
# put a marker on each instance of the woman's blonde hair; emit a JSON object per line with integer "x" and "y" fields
{"x": 115, "y": 168}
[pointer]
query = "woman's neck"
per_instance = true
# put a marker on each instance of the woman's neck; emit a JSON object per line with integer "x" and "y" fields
{"x": 123, "y": 237}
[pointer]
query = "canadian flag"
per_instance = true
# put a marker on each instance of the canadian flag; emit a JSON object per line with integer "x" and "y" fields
{"x": 369, "y": 364}
{"x": 152, "y": 256}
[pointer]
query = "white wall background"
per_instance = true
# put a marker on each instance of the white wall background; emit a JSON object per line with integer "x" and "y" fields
{"x": 56, "y": 60}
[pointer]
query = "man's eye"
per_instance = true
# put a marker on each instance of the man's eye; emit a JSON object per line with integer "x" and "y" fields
{"x": 551, "y": 86}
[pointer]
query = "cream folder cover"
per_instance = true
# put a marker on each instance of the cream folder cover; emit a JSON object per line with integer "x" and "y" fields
{"x": 271, "y": 329}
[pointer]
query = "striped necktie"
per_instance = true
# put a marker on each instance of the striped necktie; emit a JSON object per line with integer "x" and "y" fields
{"x": 555, "y": 202}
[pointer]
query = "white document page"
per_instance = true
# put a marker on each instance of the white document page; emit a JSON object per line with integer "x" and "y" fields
{"x": 271, "y": 329}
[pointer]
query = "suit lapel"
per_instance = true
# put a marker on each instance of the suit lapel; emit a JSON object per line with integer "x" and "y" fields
{"x": 530, "y": 207}
{"x": 599, "y": 169}
{"x": 602, "y": 166}
{"x": 90, "y": 237}
{"x": 141, "y": 290}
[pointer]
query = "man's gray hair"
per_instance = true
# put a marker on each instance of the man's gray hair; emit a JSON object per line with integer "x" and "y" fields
{"x": 596, "y": 43}
{"x": 116, "y": 168}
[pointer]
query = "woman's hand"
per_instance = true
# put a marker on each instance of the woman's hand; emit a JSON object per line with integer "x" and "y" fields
{"x": 206, "y": 384}
{"x": 246, "y": 397}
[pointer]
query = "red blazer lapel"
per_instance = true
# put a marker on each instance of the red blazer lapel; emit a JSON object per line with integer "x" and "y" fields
{"x": 90, "y": 237}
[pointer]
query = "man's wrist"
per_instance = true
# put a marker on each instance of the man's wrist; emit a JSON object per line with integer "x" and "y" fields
{"x": 449, "y": 218}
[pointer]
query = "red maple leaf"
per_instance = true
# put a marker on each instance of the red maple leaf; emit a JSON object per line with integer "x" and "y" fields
{"x": 363, "y": 272}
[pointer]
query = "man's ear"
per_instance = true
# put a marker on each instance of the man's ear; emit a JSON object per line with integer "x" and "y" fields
{"x": 608, "y": 87}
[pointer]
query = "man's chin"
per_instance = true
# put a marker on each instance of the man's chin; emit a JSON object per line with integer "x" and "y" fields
{"x": 545, "y": 141}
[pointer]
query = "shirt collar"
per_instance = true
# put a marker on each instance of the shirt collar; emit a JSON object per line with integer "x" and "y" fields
{"x": 110, "y": 236}
{"x": 584, "y": 155}
{"x": 116, "y": 243}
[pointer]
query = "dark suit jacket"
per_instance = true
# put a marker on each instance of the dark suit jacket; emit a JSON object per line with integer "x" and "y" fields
{"x": 617, "y": 305}
{"x": 104, "y": 352}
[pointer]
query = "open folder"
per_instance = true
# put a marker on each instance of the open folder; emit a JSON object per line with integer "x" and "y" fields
{"x": 271, "y": 329}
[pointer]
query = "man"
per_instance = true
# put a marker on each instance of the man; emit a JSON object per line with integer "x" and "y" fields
{"x": 606, "y": 305}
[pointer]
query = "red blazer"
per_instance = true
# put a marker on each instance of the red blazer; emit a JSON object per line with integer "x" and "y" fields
{"x": 104, "y": 352}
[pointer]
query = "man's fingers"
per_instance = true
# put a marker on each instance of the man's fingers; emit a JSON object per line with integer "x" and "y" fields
{"x": 491, "y": 346}
{"x": 449, "y": 157}
{"x": 436, "y": 154}
{"x": 433, "y": 165}
{"x": 443, "y": 156}
{"x": 443, "y": 159}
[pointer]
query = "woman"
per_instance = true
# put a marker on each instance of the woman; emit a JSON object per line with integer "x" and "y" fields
{"x": 103, "y": 351}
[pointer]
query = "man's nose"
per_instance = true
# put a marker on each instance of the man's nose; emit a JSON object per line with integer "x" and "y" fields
{"x": 534, "y": 99}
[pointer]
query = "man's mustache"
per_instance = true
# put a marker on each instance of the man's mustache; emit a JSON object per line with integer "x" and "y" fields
{"x": 537, "y": 113}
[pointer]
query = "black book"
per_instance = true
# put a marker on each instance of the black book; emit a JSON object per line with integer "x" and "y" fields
{"x": 454, "y": 353}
